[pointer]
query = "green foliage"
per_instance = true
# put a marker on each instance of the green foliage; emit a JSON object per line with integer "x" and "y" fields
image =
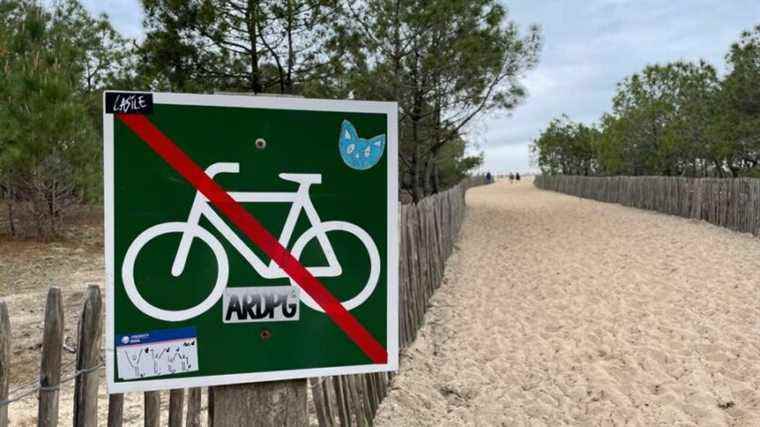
{"x": 567, "y": 148}
{"x": 674, "y": 119}
{"x": 740, "y": 105}
{"x": 661, "y": 119}
{"x": 234, "y": 45}
{"x": 445, "y": 62}
{"x": 53, "y": 60}
{"x": 41, "y": 110}
{"x": 453, "y": 165}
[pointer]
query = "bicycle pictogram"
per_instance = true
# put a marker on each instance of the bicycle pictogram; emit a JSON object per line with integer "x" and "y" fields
{"x": 190, "y": 230}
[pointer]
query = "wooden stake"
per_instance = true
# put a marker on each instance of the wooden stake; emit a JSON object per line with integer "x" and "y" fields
{"x": 50, "y": 365}
{"x": 88, "y": 359}
{"x": 152, "y": 408}
{"x": 115, "y": 410}
{"x": 193, "y": 418}
{"x": 5, "y": 355}
{"x": 176, "y": 405}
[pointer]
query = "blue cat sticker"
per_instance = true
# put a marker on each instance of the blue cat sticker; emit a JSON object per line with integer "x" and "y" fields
{"x": 359, "y": 153}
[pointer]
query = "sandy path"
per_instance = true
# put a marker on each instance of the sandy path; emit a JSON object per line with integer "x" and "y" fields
{"x": 557, "y": 310}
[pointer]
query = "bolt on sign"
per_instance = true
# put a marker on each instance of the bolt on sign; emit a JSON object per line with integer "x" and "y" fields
{"x": 248, "y": 239}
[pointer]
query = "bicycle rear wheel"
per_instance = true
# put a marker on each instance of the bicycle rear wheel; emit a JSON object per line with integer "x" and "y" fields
{"x": 128, "y": 270}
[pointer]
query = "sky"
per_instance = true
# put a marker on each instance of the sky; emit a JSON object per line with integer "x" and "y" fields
{"x": 589, "y": 46}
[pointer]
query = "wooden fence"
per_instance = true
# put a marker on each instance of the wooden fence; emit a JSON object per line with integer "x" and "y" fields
{"x": 727, "y": 202}
{"x": 427, "y": 234}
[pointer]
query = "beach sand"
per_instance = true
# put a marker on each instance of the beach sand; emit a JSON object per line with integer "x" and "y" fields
{"x": 557, "y": 310}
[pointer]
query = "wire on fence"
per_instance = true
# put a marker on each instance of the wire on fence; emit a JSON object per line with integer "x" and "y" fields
{"x": 39, "y": 387}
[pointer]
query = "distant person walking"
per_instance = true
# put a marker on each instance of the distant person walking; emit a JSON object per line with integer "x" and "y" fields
{"x": 489, "y": 178}
{"x": 511, "y": 177}
{"x": 517, "y": 176}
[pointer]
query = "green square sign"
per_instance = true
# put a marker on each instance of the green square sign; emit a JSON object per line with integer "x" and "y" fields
{"x": 248, "y": 239}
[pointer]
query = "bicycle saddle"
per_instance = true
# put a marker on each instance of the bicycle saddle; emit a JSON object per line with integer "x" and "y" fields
{"x": 302, "y": 178}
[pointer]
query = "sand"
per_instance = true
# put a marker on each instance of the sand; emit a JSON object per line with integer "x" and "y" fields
{"x": 556, "y": 310}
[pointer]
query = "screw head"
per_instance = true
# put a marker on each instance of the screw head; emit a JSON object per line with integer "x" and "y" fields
{"x": 261, "y": 143}
{"x": 265, "y": 334}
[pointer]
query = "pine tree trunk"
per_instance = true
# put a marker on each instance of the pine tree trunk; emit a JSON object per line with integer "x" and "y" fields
{"x": 436, "y": 179}
{"x": 255, "y": 77}
{"x": 10, "y": 199}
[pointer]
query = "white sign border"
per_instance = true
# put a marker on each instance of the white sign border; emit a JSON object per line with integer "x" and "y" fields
{"x": 390, "y": 109}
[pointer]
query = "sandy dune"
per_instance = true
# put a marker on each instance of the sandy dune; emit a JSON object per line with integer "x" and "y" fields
{"x": 557, "y": 310}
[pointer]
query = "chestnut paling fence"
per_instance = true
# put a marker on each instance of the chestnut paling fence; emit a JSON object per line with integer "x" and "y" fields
{"x": 427, "y": 232}
{"x": 728, "y": 202}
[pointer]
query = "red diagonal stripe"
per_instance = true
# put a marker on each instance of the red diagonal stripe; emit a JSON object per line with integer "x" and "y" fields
{"x": 182, "y": 163}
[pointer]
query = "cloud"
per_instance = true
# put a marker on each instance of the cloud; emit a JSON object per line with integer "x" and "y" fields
{"x": 125, "y": 15}
{"x": 508, "y": 158}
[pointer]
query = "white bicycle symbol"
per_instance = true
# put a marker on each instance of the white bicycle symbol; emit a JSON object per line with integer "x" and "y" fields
{"x": 190, "y": 230}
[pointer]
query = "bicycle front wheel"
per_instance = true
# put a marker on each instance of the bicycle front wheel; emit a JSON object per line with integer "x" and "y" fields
{"x": 369, "y": 245}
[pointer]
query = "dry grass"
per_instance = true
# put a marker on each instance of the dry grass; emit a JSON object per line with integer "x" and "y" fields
{"x": 74, "y": 258}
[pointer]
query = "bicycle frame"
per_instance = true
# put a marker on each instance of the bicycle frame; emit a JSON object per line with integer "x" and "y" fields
{"x": 299, "y": 200}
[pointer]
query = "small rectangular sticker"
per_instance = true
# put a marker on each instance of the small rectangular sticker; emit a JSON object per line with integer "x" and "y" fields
{"x": 260, "y": 304}
{"x": 157, "y": 353}
{"x": 129, "y": 103}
